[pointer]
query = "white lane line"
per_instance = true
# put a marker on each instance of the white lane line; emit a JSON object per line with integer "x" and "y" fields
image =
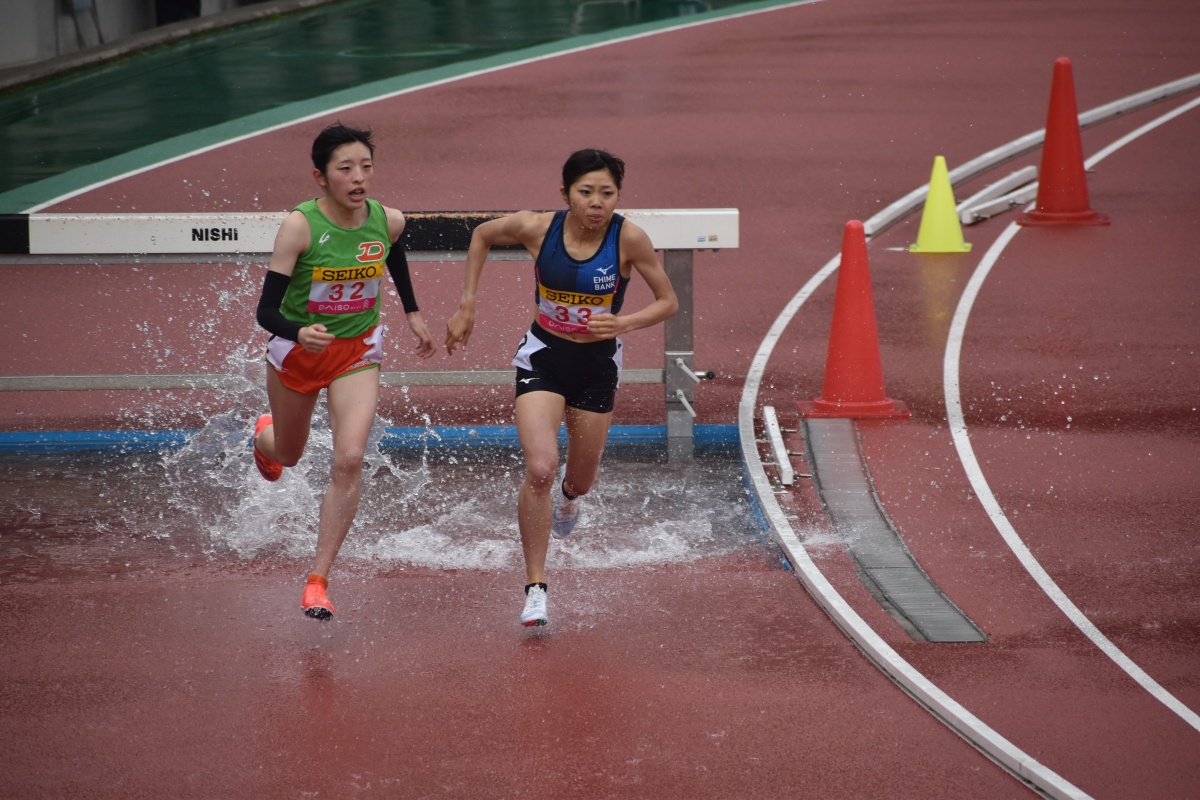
{"x": 887, "y": 660}
{"x": 966, "y": 453}
{"x": 1142, "y": 131}
{"x": 944, "y": 707}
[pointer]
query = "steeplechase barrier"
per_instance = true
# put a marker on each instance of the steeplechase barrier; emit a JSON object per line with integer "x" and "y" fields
{"x": 429, "y": 236}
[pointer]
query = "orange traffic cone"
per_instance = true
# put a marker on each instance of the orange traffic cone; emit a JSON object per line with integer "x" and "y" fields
{"x": 1062, "y": 196}
{"x": 853, "y": 385}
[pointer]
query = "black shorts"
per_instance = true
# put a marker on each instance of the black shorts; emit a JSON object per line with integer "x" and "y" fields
{"x": 587, "y": 374}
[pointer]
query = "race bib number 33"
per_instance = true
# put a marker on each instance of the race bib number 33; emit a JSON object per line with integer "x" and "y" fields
{"x": 569, "y": 312}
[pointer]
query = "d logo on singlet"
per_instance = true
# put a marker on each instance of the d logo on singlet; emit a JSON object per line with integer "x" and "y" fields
{"x": 370, "y": 251}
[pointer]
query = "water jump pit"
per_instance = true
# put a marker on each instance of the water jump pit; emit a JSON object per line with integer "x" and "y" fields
{"x": 108, "y": 515}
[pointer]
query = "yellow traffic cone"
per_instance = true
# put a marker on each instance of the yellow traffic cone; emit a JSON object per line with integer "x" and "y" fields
{"x": 940, "y": 230}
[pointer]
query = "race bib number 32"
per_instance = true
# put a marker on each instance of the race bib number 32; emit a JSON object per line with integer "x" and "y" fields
{"x": 344, "y": 290}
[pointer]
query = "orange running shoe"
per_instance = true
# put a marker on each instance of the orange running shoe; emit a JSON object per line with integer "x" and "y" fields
{"x": 269, "y": 468}
{"x": 314, "y": 602}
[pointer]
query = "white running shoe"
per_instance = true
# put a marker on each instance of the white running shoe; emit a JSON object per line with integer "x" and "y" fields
{"x": 535, "y": 607}
{"x": 566, "y": 512}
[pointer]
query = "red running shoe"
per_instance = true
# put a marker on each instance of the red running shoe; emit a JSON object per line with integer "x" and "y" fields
{"x": 270, "y": 469}
{"x": 314, "y": 602}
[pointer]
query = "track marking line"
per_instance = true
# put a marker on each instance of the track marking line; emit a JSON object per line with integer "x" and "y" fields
{"x": 966, "y": 453}
{"x": 914, "y": 683}
{"x": 773, "y": 518}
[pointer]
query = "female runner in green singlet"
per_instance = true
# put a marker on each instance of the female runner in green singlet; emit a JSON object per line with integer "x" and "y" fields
{"x": 321, "y": 301}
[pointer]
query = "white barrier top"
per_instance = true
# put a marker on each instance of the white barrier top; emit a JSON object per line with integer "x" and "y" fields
{"x": 254, "y": 233}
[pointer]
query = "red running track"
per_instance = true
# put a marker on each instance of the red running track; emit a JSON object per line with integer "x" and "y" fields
{"x": 736, "y": 684}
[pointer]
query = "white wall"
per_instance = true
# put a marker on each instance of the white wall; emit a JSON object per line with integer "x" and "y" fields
{"x": 36, "y": 30}
{"x": 27, "y": 31}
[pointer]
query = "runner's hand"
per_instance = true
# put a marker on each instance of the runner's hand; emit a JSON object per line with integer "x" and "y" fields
{"x": 425, "y": 347}
{"x": 458, "y": 329}
{"x": 606, "y": 326}
{"x": 315, "y": 338}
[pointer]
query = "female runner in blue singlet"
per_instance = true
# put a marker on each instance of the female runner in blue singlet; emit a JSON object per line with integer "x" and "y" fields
{"x": 569, "y": 362}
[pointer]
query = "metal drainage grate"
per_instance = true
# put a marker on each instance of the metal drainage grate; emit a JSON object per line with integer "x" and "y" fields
{"x": 887, "y": 568}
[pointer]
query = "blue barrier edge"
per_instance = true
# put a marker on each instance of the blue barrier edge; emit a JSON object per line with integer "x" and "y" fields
{"x": 704, "y": 437}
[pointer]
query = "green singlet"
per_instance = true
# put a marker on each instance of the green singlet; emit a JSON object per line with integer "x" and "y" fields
{"x": 337, "y": 279}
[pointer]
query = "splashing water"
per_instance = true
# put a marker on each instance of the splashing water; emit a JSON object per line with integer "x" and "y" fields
{"x": 430, "y": 508}
{"x": 446, "y": 510}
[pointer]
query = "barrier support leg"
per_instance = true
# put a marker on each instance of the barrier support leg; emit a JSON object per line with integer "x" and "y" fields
{"x": 677, "y": 340}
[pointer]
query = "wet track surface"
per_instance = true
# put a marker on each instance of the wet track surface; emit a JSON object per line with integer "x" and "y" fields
{"x": 684, "y": 659}
{"x": 161, "y": 650}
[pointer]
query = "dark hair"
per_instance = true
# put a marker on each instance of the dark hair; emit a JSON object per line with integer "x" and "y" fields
{"x": 582, "y": 162}
{"x": 334, "y": 137}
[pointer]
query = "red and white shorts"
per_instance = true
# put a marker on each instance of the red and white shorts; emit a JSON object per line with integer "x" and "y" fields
{"x": 306, "y": 372}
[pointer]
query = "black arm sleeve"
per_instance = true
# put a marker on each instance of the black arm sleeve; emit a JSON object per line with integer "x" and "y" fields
{"x": 269, "y": 316}
{"x": 397, "y": 264}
